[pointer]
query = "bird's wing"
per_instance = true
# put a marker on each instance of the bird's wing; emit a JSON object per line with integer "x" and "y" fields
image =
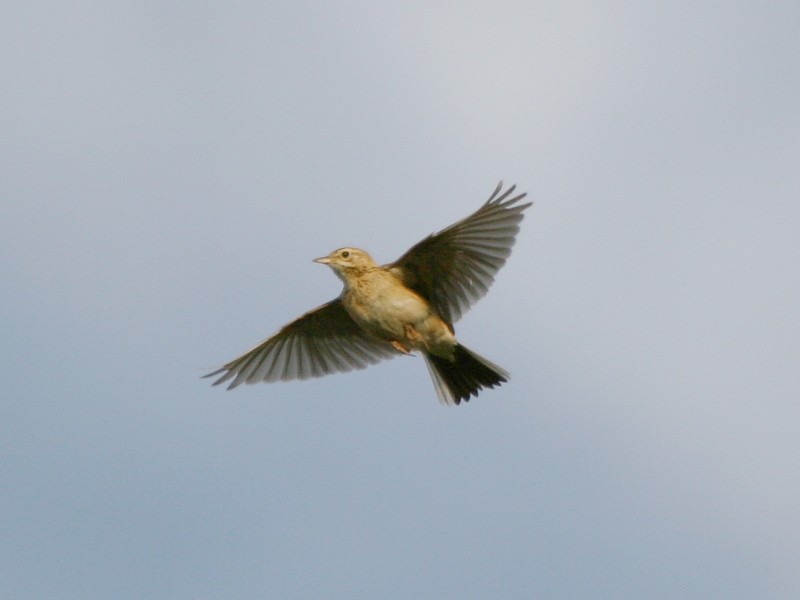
{"x": 454, "y": 268}
{"x": 322, "y": 341}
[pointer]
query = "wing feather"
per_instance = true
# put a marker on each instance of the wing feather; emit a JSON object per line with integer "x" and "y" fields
{"x": 454, "y": 268}
{"x": 322, "y": 341}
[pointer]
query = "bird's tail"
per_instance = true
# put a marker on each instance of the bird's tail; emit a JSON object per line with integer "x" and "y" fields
{"x": 458, "y": 379}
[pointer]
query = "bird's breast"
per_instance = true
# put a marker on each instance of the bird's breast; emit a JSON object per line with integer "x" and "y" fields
{"x": 384, "y": 305}
{"x": 386, "y": 308}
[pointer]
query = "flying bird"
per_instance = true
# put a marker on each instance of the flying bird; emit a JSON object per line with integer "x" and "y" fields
{"x": 406, "y": 306}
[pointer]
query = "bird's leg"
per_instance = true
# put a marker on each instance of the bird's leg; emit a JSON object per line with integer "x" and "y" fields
{"x": 413, "y": 336}
{"x": 400, "y": 348}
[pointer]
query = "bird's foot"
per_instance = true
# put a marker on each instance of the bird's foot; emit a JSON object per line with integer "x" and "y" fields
{"x": 413, "y": 336}
{"x": 400, "y": 348}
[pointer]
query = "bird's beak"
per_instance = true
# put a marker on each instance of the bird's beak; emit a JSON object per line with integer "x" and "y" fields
{"x": 323, "y": 260}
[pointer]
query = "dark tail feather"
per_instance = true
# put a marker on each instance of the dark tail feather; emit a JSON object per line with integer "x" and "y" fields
{"x": 462, "y": 377}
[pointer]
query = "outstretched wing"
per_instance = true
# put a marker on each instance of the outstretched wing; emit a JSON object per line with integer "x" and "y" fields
{"x": 454, "y": 268}
{"x": 322, "y": 341}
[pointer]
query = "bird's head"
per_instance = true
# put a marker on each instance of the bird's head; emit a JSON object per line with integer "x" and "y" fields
{"x": 347, "y": 262}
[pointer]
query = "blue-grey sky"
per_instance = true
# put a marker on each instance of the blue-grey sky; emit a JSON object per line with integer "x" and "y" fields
{"x": 170, "y": 170}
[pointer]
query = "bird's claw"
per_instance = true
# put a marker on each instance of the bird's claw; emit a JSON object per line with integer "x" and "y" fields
{"x": 400, "y": 348}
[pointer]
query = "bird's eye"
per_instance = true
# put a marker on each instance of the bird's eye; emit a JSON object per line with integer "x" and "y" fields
{"x": 345, "y": 254}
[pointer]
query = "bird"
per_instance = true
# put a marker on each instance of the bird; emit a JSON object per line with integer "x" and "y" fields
{"x": 397, "y": 309}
